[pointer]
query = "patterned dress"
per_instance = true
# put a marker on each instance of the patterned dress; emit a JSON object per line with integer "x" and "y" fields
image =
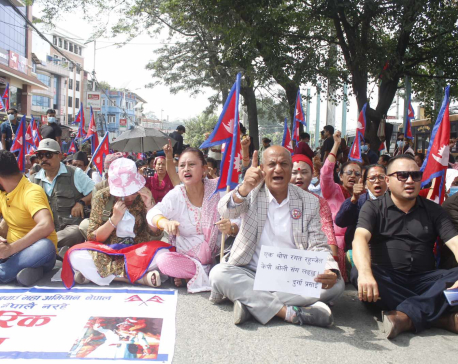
{"x": 107, "y": 264}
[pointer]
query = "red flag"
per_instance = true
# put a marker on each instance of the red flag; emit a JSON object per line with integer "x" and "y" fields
{"x": 80, "y": 119}
{"x": 385, "y": 67}
{"x": 29, "y": 137}
{"x": 361, "y": 125}
{"x": 73, "y": 149}
{"x": 299, "y": 116}
{"x": 436, "y": 162}
{"x": 409, "y": 118}
{"x": 382, "y": 146}
{"x": 19, "y": 144}
{"x": 92, "y": 133}
{"x": 6, "y": 97}
{"x": 101, "y": 152}
{"x": 36, "y": 134}
{"x": 227, "y": 131}
{"x": 2, "y": 105}
{"x": 287, "y": 142}
{"x": 355, "y": 151}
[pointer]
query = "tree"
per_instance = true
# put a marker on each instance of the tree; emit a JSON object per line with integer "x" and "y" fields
{"x": 197, "y": 127}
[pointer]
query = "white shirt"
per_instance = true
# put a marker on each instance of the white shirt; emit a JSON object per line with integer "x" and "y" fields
{"x": 278, "y": 230}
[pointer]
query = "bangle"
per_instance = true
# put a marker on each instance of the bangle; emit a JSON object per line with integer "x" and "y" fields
{"x": 157, "y": 222}
{"x": 109, "y": 220}
{"x": 333, "y": 155}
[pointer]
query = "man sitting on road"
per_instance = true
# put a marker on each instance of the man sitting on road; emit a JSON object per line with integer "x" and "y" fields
{"x": 274, "y": 213}
{"x": 399, "y": 268}
{"x": 30, "y": 245}
{"x": 69, "y": 189}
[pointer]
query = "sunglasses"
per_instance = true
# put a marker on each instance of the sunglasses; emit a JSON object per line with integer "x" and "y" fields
{"x": 404, "y": 175}
{"x": 349, "y": 173}
{"x": 48, "y": 155}
{"x": 380, "y": 177}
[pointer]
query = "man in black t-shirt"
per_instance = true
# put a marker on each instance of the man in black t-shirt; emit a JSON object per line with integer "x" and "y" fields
{"x": 328, "y": 142}
{"x": 52, "y": 130}
{"x": 398, "y": 272}
{"x": 178, "y": 136}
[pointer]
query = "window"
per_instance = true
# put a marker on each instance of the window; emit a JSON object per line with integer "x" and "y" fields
{"x": 45, "y": 79}
{"x": 70, "y": 84}
{"x": 111, "y": 119}
{"x": 42, "y": 101}
{"x": 70, "y": 101}
{"x": 70, "y": 66}
{"x": 77, "y": 86}
{"x": 13, "y": 28}
{"x": 56, "y": 59}
{"x": 76, "y": 49}
{"x": 104, "y": 102}
{"x": 79, "y": 51}
{"x": 65, "y": 44}
{"x": 77, "y": 103}
{"x": 54, "y": 40}
{"x": 70, "y": 48}
{"x": 60, "y": 42}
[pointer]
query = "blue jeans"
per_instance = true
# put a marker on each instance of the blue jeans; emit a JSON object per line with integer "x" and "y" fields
{"x": 40, "y": 254}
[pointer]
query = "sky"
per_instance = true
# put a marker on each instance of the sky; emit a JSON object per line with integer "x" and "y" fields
{"x": 125, "y": 68}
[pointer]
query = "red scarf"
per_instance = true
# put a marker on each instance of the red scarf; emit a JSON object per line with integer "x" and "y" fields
{"x": 159, "y": 189}
{"x": 345, "y": 192}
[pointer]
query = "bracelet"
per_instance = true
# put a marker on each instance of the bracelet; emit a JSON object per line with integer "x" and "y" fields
{"x": 109, "y": 220}
{"x": 157, "y": 222}
{"x": 243, "y": 159}
{"x": 333, "y": 155}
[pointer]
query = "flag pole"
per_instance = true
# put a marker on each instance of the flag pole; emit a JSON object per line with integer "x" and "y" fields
{"x": 223, "y": 237}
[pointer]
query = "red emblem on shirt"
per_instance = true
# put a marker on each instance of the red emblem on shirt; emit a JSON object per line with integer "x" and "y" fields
{"x": 296, "y": 214}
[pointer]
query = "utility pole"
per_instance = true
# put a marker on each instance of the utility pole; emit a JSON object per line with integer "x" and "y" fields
{"x": 344, "y": 111}
{"x": 317, "y": 122}
{"x": 308, "y": 110}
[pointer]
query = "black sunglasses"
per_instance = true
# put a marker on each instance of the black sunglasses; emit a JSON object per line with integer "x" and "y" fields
{"x": 48, "y": 155}
{"x": 404, "y": 175}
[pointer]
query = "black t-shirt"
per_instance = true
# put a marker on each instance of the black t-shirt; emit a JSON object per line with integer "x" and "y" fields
{"x": 403, "y": 241}
{"x": 51, "y": 131}
{"x": 327, "y": 146}
{"x": 178, "y": 147}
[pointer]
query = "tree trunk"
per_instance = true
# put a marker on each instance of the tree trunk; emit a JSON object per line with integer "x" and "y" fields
{"x": 252, "y": 109}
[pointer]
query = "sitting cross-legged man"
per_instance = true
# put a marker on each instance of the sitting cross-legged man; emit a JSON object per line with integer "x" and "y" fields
{"x": 274, "y": 213}
{"x": 30, "y": 245}
{"x": 394, "y": 257}
{"x": 69, "y": 190}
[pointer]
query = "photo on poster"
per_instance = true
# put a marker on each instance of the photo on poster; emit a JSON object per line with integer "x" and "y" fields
{"x": 118, "y": 338}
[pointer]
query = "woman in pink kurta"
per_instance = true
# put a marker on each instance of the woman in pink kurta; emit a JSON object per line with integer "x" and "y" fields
{"x": 302, "y": 176}
{"x": 335, "y": 194}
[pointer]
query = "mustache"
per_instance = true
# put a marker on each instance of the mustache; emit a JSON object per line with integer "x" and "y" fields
{"x": 43, "y": 163}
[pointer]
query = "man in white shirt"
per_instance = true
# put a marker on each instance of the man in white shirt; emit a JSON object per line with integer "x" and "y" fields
{"x": 274, "y": 213}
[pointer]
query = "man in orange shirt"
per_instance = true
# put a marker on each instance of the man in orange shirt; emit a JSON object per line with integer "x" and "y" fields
{"x": 29, "y": 248}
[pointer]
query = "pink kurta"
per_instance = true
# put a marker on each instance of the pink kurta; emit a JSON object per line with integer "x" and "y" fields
{"x": 334, "y": 196}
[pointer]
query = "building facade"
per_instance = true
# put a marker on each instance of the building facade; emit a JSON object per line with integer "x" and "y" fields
{"x": 16, "y": 62}
{"x": 63, "y": 74}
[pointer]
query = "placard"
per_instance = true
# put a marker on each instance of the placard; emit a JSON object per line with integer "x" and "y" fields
{"x": 290, "y": 271}
{"x": 87, "y": 323}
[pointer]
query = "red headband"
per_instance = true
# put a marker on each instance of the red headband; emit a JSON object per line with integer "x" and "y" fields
{"x": 302, "y": 158}
{"x": 157, "y": 158}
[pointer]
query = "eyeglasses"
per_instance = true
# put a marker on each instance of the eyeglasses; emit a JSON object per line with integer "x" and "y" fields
{"x": 372, "y": 179}
{"x": 404, "y": 175}
{"x": 349, "y": 173}
{"x": 48, "y": 155}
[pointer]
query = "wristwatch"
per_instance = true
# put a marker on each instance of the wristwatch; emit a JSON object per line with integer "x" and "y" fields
{"x": 81, "y": 202}
{"x": 233, "y": 233}
{"x": 238, "y": 195}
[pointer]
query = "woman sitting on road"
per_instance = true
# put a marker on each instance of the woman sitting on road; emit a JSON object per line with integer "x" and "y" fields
{"x": 165, "y": 177}
{"x": 189, "y": 215}
{"x": 301, "y": 177}
{"x": 121, "y": 246}
{"x": 335, "y": 194}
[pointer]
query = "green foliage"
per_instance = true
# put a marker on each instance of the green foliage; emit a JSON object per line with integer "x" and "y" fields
{"x": 197, "y": 127}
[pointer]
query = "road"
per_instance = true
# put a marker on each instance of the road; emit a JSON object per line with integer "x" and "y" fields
{"x": 206, "y": 334}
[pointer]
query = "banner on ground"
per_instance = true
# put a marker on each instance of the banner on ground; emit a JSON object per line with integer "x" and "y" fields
{"x": 101, "y": 324}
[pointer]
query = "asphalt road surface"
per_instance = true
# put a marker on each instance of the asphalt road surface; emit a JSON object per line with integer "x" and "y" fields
{"x": 206, "y": 334}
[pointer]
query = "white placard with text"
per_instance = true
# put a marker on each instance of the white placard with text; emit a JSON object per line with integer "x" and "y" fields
{"x": 290, "y": 271}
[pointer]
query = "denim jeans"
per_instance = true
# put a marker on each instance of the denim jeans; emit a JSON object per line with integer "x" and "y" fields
{"x": 40, "y": 254}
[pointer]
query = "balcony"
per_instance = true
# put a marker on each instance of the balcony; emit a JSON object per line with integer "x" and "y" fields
{"x": 111, "y": 110}
{"x": 54, "y": 68}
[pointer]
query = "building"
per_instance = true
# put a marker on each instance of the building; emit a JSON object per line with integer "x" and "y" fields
{"x": 16, "y": 62}
{"x": 63, "y": 74}
{"x": 118, "y": 111}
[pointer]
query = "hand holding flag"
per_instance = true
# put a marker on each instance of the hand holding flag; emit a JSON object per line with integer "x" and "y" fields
{"x": 287, "y": 142}
{"x": 299, "y": 117}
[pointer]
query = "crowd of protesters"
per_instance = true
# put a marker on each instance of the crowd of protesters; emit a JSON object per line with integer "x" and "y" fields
{"x": 157, "y": 218}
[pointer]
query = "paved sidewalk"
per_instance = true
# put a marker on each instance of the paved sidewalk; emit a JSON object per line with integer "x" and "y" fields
{"x": 206, "y": 334}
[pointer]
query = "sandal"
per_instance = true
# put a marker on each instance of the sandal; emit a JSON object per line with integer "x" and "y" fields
{"x": 147, "y": 279}
{"x": 80, "y": 279}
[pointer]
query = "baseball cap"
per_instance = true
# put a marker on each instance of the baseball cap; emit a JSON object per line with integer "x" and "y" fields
{"x": 49, "y": 145}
